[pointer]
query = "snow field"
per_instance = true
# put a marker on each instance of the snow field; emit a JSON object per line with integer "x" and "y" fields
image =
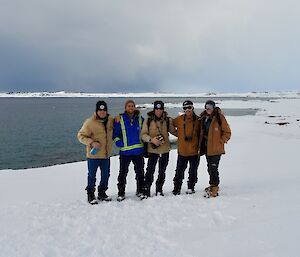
{"x": 44, "y": 211}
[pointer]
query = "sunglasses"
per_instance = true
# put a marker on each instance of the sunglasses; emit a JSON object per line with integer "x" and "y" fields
{"x": 209, "y": 107}
{"x": 187, "y": 108}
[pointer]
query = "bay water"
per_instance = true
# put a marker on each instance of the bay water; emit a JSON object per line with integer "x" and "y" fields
{"x": 38, "y": 132}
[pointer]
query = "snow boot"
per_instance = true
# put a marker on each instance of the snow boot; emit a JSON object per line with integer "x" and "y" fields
{"x": 141, "y": 195}
{"x": 147, "y": 191}
{"x": 102, "y": 196}
{"x": 91, "y": 196}
{"x": 190, "y": 191}
{"x": 177, "y": 189}
{"x": 159, "y": 190}
{"x": 213, "y": 191}
{"x": 207, "y": 189}
{"x": 121, "y": 198}
{"x": 159, "y": 193}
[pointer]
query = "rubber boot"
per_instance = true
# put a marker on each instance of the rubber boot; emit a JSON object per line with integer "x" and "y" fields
{"x": 91, "y": 196}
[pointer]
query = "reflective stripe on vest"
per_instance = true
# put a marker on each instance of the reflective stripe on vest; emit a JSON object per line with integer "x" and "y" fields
{"x": 126, "y": 147}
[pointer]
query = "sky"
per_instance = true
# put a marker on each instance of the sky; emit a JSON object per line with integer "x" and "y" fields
{"x": 149, "y": 46}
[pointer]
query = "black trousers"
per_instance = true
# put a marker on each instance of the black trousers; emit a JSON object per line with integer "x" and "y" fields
{"x": 182, "y": 162}
{"x": 138, "y": 162}
{"x": 163, "y": 160}
{"x": 213, "y": 169}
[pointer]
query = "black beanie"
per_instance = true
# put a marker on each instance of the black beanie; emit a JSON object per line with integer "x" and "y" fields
{"x": 101, "y": 105}
{"x": 187, "y": 103}
{"x": 159, "y": 105}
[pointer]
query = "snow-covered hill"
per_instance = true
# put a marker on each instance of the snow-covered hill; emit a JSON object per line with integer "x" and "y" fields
{"x": 44, "y": 211}
{"x": 282, "y": 94}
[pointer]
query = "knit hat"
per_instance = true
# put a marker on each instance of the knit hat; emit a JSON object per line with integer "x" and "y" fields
{"x": 188, "y": 103}
{"x": 101, "y": 105}
{"x": 129, "y": 101}
{"x": 159, "y": 105}
{"x": 210, "y": 104}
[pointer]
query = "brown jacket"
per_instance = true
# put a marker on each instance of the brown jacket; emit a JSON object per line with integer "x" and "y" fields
{"x": 217, "y": 135}
{"x": 158, "y": 127}
{"x": 187, "y": 128}
{"x": 94, "y": 130}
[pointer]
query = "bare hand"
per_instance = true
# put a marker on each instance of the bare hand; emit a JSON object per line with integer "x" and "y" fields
{"x": 96, "y": 145}
{"x": 155, "y": 141}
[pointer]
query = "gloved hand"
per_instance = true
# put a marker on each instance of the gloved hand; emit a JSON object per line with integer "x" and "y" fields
{"x": 119, "y": 143}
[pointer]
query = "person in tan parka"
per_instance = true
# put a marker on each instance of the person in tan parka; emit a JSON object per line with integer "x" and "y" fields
{"x": 155, "y": 132}
{"x": 188, "y": 130}
{"x": 214, "y": 133}
{"x": 96, "y": 134}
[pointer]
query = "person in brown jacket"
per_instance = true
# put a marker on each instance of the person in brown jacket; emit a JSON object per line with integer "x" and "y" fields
{"x": 214, "y": 133}
{"x": 188, "y": 128}
{"x": 96, "y": 134}
{"x": 155, "y": 132}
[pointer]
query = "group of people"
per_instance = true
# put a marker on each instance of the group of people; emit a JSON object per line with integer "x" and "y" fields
{"x": 138, "y": 138}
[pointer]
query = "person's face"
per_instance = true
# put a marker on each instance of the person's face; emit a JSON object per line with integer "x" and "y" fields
{"x": 188, "y": 111}
{"x": 102, "y": 113}
{"x": 209, "y": 109}
{"x": 130, "y": 108}
{"x": 158, "y": 112}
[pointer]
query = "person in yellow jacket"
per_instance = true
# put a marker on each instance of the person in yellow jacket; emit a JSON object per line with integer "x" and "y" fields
{"x": 96, "y": 134}
{"x": 214, "y": 133}
{"x": 155, "y": 132}
{"x": 188, "y": 128}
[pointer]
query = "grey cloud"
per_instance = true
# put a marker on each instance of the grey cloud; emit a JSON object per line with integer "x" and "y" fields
{"x": 149, "y": 45}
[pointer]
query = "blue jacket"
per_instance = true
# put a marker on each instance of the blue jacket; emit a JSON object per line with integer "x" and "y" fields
{"x": 127, "y": 134}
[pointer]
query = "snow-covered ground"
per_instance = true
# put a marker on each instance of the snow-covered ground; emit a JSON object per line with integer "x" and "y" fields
{"x": 43, "y": 211}
{"x": 286, "y": 94}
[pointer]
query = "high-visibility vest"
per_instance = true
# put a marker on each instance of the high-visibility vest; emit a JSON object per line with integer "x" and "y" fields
{"x": 127, "y": 147}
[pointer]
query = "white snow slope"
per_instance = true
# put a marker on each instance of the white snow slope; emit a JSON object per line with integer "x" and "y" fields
{"x": 43, "y": 211}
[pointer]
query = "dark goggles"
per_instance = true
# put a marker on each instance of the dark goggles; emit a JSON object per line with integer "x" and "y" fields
{"x": 209, "y": 107}
{"x": 190, "y": 107}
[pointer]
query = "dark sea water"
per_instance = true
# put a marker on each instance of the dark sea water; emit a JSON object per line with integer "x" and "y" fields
{"x": 37, "y": 132}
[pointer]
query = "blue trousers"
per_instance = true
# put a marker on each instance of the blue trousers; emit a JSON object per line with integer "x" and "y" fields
{"x": 104, "y": 165}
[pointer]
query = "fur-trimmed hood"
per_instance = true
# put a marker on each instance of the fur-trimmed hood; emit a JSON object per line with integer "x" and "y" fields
{"x": 216, "y": 111}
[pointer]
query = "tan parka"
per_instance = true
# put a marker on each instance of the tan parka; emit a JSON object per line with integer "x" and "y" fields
{"x": 218, "y": 134}
{"x": 93, "y": 130}
{"x": 187, "y": 127}
{"x": 157, "y": 127}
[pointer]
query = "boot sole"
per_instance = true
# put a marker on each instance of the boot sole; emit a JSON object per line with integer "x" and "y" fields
{"x": 207, "y": 195}
{"x": 105, "y": 200}
{"x": 93, "y": 202}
